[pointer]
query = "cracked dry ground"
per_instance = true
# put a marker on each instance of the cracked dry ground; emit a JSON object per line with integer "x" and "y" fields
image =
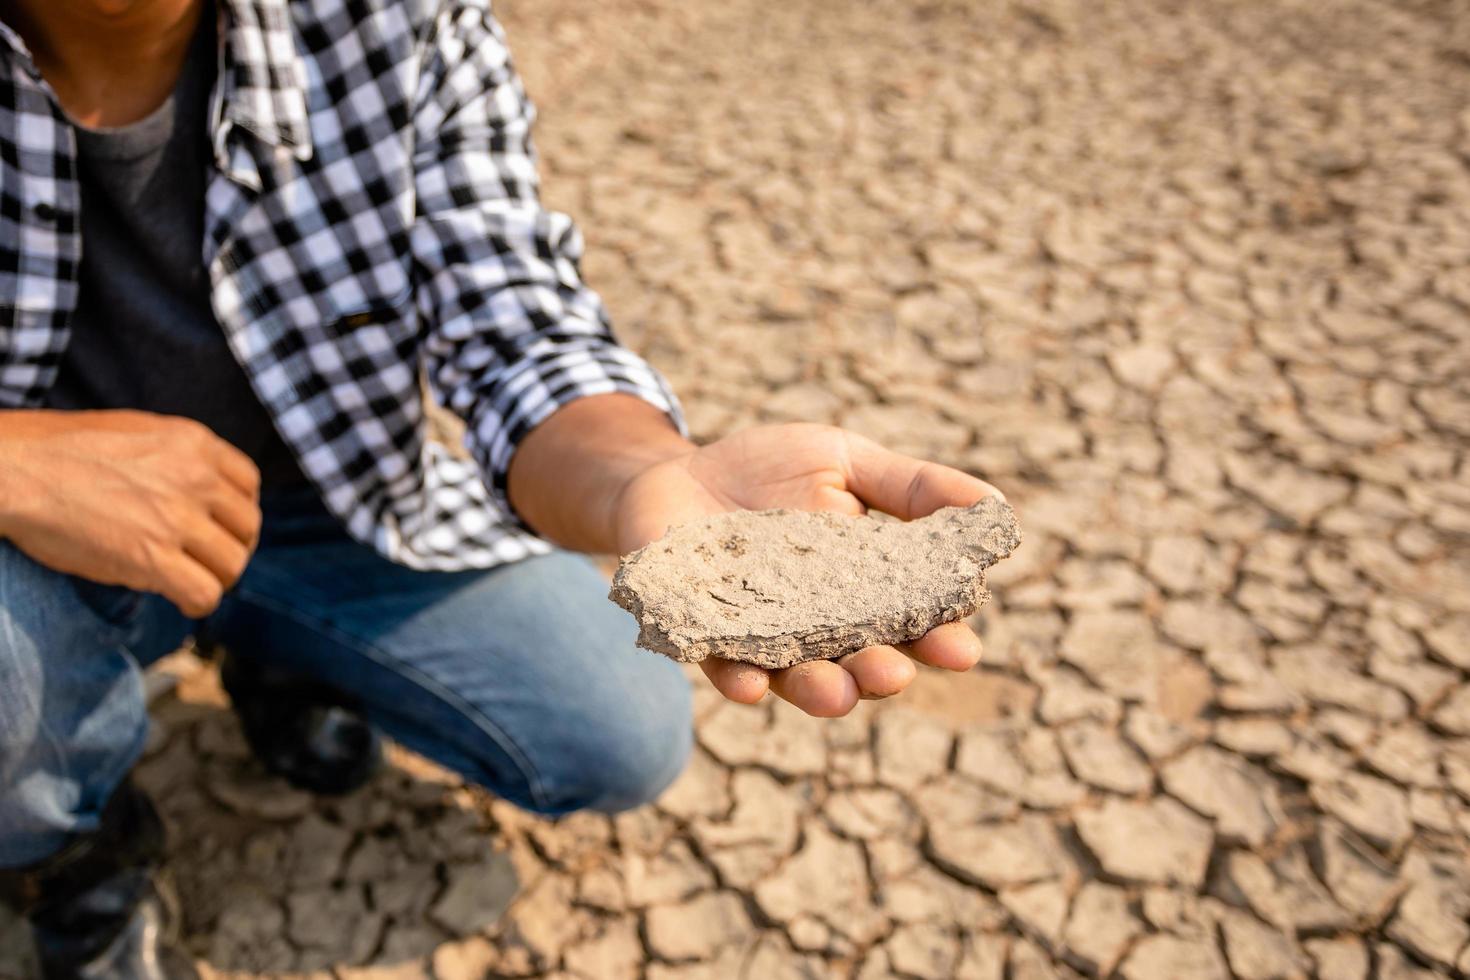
{"x": 1192, "y": 284}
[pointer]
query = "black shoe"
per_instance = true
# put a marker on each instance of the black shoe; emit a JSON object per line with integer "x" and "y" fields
{"x": 97, "y": 910}
{"x": 306, "y": 732}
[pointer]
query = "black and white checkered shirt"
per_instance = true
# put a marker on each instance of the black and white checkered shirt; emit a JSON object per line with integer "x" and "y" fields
{"x": 372, "y": 218}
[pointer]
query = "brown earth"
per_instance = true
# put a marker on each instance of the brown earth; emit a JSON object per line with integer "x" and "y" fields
{"x": 777, "y": 588}
{"x": 1191, "y": 283}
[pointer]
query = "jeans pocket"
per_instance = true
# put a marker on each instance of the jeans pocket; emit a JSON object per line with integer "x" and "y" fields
{"x": 115, "y": 605}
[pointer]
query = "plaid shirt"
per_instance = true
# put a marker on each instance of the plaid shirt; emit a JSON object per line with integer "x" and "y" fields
{"x": 371, "y": 220}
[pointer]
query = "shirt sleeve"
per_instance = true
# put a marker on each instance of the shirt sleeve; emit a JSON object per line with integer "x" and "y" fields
{"x": 513, "y": 333}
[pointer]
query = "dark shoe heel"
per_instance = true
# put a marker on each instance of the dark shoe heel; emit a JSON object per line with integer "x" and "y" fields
{"x": 301, "y": 730}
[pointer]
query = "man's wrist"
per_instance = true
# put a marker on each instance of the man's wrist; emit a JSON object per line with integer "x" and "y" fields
{"x": 14, "y": 488}
{"x": 570, "y": 473}
{"x": 638, "y": 465}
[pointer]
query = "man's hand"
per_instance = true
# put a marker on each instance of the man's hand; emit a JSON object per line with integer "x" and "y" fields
{"x": 608, "y": 472}
{"x": 805, "y": 467}
{"x": 150, "y": 502}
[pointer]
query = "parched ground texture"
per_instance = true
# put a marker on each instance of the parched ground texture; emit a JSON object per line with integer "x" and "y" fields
{"x": 1191, "y": 282}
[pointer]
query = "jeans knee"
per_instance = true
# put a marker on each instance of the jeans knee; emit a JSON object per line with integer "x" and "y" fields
{"x": 645, "y": 765}
{"x": 20, "y": 709}
{"x": 22, "y": 684}
{"x": 72, "y": 711}
{"x": 627, "y": 755}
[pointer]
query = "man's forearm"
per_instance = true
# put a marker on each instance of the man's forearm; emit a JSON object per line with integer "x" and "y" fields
{"x": 568, "y": 473}
{"x": 20, "y": 430}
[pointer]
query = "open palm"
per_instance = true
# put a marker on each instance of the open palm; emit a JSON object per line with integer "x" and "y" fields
{"x": 806, "y": 467}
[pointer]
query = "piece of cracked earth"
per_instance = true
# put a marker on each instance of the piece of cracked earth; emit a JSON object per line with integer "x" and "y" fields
{"x": 780, "y": 587}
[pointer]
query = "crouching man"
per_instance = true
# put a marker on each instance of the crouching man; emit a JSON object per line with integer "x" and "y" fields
{"x": 235, "y": 241}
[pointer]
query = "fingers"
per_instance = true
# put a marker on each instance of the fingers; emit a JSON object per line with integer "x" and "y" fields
{"x": 217, "y": 542}
{"x": 217, "y": 456}
{"x": 219, "y": 551}
{"x": 237, "y": 514}
{"x": 189, "y": 585}
{"x": 224, "y": 537}
{"x": 953, "y": 646}
{"x": 818, "y": 687}
{"x": 830, "y": 689}
{"x": 744, "y": 683}
{"x": 880, "y": 672}
{"x": 907, "y": 487}
{"x": 239, "y": 469}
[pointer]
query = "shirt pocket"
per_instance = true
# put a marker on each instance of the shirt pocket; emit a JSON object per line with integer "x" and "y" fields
{"x": 393, "y": 312}
{"x": 370, "y": 354}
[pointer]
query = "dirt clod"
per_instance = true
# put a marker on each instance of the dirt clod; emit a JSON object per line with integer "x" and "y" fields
{"x": 779, "y": 587}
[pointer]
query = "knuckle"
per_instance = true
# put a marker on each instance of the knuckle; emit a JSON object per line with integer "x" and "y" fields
{"x": 192, "y": 469}
{"x": 237, "y": 568}
{"x": 181, "y": 426}
{"x": 205, "y": 598}
{"x": 196, "y": 435}
{"x": 170, "y": 530}
{"x": 252, "y": 525}
{"x": 147, "y": 554}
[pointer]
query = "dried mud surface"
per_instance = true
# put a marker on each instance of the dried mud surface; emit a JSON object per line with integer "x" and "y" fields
{"x": 777, "y": 588}
{"x": 1191, "y": 284}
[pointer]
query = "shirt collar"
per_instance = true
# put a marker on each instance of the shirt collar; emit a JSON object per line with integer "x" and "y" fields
{"x": 11, "y": 39}
{"x": 262, "y": 76}
{"x": 18, "y": 48}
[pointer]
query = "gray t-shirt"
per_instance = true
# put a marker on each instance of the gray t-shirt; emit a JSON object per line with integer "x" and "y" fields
{"x": 144, "y": 335}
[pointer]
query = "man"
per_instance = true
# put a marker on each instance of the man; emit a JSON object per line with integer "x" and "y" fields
{"x": 234, "y": 242}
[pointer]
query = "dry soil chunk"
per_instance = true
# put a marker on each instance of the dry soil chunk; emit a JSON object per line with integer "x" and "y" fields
{"x": 1100, "y": 927}
{"x": 1160, "y": 956}
{"x": 1237, "y": 795}
{"x": 780, "y": 587}
{"x": 998, "y": 855}
{"x": 1158, "y": 841}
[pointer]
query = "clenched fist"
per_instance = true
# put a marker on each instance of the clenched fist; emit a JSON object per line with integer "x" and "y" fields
{"x": 151, "y": 502}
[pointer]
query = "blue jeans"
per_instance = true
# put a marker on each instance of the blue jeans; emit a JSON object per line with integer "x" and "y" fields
{"x": 523, "y": 678}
